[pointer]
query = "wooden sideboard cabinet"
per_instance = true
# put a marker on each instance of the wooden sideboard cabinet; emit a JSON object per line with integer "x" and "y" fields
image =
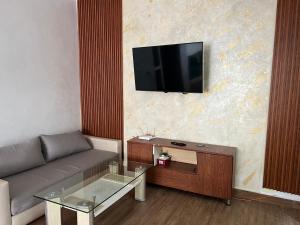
{"x": 203, "y": 169}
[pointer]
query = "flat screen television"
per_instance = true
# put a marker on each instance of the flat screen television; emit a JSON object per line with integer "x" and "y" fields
{"x": 169, "y": 68}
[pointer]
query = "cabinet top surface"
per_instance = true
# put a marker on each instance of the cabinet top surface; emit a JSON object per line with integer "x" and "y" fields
{"x": 190, "y": 146}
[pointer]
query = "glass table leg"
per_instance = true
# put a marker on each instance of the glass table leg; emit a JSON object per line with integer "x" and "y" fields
{"x": 140, "y": 189}
{"x": 85, "y": 218}
{"x": 53, "y": 213}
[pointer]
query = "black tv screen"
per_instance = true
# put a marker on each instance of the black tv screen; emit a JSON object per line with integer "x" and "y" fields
{"x": 169, "y": 68}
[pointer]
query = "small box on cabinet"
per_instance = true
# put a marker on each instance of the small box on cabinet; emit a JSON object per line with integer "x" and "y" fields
{"x": 164, "y": 159}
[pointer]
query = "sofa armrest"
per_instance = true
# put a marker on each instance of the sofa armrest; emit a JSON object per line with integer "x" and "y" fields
{"x": 5, "y": 214}
{"x": 106, "y": 144}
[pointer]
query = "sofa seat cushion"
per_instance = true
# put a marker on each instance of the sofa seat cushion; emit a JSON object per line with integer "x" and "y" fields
{"x": 24, "y": 185}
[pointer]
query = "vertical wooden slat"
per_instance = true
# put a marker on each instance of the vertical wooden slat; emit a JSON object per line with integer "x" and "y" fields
{"x": 282, "y": 161}
{"x": 100, "y": 47}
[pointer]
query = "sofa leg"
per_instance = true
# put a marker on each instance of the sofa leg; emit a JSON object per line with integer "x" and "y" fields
{"x": 53, "y": 213}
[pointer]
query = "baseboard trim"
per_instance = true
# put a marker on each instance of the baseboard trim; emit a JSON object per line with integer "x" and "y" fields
{"x": 252, "y": 196}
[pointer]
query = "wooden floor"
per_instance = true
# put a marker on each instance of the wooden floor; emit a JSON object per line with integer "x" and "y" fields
{"x": 171, "y": 207}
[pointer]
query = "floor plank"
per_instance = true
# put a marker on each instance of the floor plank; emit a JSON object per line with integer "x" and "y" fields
{"x": 172, "y": 207}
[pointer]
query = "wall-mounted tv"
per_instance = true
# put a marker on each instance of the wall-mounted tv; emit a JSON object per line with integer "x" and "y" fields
{"x": 169, "y": 68}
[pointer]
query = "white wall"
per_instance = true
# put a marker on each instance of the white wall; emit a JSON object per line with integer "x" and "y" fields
{"x": 238, "y": 38}
{"x": 39, "y": 68}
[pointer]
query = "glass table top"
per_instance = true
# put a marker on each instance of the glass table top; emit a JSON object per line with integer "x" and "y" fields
{"x": 87, "y": 190}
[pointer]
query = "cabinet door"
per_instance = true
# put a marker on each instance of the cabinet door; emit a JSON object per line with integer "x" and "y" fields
{"x": 215, "y": 175}
{"x": 140, "y": 152}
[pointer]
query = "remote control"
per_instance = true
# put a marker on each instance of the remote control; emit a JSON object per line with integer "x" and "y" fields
{"x": 178, "y": 143}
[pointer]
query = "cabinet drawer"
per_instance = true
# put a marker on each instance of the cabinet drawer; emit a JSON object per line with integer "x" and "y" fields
{"x": 172, "y": 178}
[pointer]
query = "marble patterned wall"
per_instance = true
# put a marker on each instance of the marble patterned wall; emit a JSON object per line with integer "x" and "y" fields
{"x": 238, "y": 37}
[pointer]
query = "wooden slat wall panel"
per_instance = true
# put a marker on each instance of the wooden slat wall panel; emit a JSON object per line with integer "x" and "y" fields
{"x": 100, "y": 44}
{"x": 282, "y": 161}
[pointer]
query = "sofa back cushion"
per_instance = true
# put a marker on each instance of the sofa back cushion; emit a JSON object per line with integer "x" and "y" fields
{"x": 61, "y": 145}
{"x": 20, "y": 157}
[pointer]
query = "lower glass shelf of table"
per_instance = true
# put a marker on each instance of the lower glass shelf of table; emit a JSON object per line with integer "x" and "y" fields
{"x": 91, "y": 192}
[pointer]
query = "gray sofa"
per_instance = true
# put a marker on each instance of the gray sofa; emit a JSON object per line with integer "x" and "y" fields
{"x": 27, "y": 168}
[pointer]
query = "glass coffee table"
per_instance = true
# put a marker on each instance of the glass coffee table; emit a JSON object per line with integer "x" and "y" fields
{"x": 91, "y": 192}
